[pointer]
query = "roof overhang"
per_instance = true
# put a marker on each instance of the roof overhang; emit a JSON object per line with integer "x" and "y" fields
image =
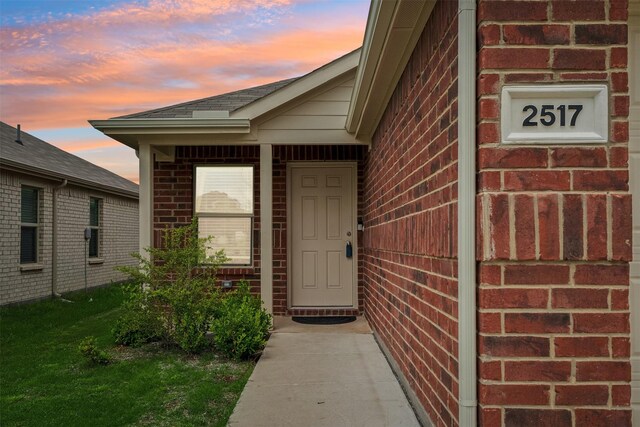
{"x": 7, "y": 164}
{"x": 393, "y": 29}
{"x": 129, "y": 131}
{"x": 237, "y": 126}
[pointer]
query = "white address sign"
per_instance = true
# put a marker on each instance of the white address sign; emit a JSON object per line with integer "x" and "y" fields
{"x": 554, "y": 114}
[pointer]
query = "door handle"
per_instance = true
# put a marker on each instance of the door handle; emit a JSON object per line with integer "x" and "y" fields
{"x": 349, "y": 249}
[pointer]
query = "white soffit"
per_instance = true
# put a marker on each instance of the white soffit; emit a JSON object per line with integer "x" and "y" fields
{"x": 393, "y": 29}
{"x": 128, "y": 131}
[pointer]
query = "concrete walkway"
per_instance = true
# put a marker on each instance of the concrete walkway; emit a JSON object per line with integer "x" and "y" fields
{"x": 313, "y": 376}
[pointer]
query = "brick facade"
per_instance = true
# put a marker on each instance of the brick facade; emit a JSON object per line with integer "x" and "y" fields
{"x": 119, "y": 228}
{"x": 554, "y": 225}
{"x": 173, "y": 205}
{"x": 410, "y": 242}
{"x": 553, "y": 221}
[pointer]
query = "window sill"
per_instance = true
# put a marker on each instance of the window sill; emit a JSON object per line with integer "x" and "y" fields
{"x": 31, "y": 267}
{"x": 95, "y": 261}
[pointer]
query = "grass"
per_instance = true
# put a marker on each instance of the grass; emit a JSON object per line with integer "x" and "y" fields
{"x": 45, "y": 381}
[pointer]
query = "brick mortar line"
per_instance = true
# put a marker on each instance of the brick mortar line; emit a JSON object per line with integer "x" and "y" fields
{"x": 557, "y": 335}
{"x": 552, "y": 311}
{"x": 396, "y": 149}
{"x": 429, "y": 272}
{"x": 585, "y": 223}
{"x": 549, "y": 360}
{"x": 560, "y": 263}
{"x": 512, "y": 226}
{"x": 450, "y": 184}
{"x": 447, "y": 315}
{"x": 536, "y": 226}
{"x": 415, "y": 255}
{"x": 439, "y": 327}
{"x": 551, "y": 147}
{"x": 399, "y": 170}
{"x": 557, "y": 168}
{"x": 426, "y": 351}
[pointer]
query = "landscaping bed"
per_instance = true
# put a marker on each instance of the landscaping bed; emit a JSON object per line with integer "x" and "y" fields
{"x": 46, "y": 381}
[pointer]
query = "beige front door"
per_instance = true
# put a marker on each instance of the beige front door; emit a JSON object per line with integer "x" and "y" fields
{"x": 322, "y": 223}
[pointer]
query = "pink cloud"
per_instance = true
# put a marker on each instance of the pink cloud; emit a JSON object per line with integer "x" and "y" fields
{"x": 86, "y": 145}
{"x": 102, "y": 88}
{"x": 60, "y": 73}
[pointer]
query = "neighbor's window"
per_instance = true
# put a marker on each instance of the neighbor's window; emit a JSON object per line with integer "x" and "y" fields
{"x": 224, "y": 206}
{"x": 29, "y": 225}
{"x": 94, "y": 225}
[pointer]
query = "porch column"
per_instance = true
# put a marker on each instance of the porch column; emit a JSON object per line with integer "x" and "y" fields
{"x": 145, "y": 189}
{"x": 266, "y": 226}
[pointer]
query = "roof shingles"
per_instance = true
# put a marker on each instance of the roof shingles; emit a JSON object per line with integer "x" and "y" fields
{"x": 226, "y": 102}
{"x": 37, "y": 155}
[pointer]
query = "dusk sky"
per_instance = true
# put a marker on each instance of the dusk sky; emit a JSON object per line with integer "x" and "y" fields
{"x": 63, "y": 62}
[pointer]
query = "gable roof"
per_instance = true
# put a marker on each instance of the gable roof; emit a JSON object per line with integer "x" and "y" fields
{"x": 225, "y": 102}
{"x": 228, "y": 116}
{"x": 36, "y": 156}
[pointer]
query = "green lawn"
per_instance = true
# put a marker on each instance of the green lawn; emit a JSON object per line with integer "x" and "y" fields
{"x": 45, "y": 381}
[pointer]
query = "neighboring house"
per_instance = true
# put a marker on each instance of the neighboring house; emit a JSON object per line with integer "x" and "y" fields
{"x": 49, "y": 197}
{"x": 377, "y": 151}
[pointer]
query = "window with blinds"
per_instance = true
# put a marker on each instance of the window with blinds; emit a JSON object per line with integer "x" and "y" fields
{"x": 95, "y": 206}
{"x": 224, "y": 206}
{"x": 29, "y": 225}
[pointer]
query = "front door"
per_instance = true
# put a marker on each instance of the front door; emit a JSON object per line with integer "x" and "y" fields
{"x": 322, "y": 227}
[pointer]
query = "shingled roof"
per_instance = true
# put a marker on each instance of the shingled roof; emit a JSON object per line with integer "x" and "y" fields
{"x": 37, "y": 156}
{"x": 226, "y": 102}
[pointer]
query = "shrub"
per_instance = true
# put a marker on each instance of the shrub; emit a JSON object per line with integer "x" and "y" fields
{"x": 140, "y": 322}
{"x": 242, "y": 326}
{"x": 179, "y": 294}
{"x": 89, "y": 349}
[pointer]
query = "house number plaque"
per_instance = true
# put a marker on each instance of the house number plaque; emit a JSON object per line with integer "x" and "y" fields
{"x": 554, "y": 114}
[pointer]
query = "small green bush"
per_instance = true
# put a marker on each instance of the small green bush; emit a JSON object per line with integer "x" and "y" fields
{"x": 139, "y": 323}
{"x": 241, "y": 326}
{"x": 89, "y": 349}
{"x": 176, "y": 295}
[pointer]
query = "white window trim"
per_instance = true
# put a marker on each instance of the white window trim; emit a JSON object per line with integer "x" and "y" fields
{"x": 250, "y": 216}
{"x": 31, "y": 225}
{"x": 98, "y": 227}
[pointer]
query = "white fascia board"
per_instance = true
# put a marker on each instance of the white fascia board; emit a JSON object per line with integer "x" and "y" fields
{"x": 299, "y": 87}
{"x": 147, "y": 126}
{"x": 393, "y": 30}
{"x": 378, "y": 22}
{"x": 127, "y": 131}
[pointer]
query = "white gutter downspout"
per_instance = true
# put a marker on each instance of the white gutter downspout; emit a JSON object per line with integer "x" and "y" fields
{"x": 54, "y": 239}
{"x": 466, "y": 212}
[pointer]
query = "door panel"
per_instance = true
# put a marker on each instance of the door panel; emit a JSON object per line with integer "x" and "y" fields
{"x": 322, "y": 221}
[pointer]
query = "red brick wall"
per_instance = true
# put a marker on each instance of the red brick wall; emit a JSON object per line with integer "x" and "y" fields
{"x": 410, "y": 253}
{"x": 173, "y": 204}
{"x": 554, "y": 225}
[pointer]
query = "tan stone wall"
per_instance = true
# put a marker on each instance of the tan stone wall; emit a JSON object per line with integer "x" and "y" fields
{"x": 119, "y": 231}
{"x": 17, "y": 285}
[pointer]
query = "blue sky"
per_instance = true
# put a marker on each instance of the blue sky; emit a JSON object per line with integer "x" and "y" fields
{"x": 67, "y": 61}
